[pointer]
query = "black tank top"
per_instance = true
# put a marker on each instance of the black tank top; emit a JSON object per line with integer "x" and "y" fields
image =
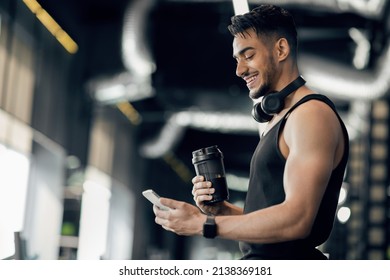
{"x": 266, "y": 189}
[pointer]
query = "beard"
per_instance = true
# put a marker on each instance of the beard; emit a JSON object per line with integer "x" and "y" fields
{"x": 267, "y": 78}
{"x": 261, "y": 91}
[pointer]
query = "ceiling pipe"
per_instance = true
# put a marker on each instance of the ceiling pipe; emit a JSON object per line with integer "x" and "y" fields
{"x": 136, "y": 53}
{"x": 345, "y": 82}
{"x": 136, "y": 82}
{"x": 174, "y": 129}
{"x": 108, "y": 90}
{"x": 165, "y": 141}
{"x": 368, "y": 8}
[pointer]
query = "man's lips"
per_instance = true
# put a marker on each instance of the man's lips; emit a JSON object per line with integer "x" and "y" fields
{"x": 250, "y": 81}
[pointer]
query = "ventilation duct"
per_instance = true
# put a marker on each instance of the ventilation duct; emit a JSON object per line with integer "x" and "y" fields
{"x": 135, "y": 83}
{"x": 119, "y": 88}
{"x": 136, "y": 53}
{"x": 165, "y": 141}
{"x": 344, "y": 82}
{"x": 368, "y": 8}
{"x": 176, "y": 125}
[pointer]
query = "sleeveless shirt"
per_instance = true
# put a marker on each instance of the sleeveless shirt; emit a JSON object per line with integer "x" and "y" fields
{"x": 266, "y": 189}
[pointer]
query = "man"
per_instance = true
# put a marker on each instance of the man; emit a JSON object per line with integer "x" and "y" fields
{"x": 298, "y": 166}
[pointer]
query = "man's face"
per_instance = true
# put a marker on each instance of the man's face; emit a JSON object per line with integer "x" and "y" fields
{"x": 255, "y": 63}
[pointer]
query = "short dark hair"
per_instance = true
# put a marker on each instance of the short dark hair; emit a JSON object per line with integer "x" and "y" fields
{"x": 268, "y": 20}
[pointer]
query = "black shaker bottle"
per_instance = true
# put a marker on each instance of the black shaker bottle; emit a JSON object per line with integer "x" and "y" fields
{"x": 208, "y": 162}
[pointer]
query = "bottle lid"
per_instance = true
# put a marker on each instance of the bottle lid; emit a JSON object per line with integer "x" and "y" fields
{"x": 206, "y": 154}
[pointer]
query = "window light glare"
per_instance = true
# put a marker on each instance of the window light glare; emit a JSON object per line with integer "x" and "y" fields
{"x": 240, "y": 7}
{"x": 93, "y": 221}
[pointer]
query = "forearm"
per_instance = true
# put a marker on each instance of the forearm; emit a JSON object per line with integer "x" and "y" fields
{"x": 231, "y": 209}
{"x": 223, "y": 209}
{"x": 263, "y": 226}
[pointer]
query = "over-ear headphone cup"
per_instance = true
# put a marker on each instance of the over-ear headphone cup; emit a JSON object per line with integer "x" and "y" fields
{"x": 272, "y": 104}
{"x": 259, "y": 115}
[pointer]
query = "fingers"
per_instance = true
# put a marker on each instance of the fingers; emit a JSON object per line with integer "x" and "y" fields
{"x": 170, "y": 203}
{"x": 185, "y": 219}
{"x": 197, "y": 179}
{"x": 179, "y": 219}
{"x": 202, "y": 188}
{"x": 163, "y": 214}
{"x": 161, "y": 217}
{"x": 199, "y": 183}
{"x": 202, "y": 191}
{"x": 163, "y": 223}
{"x": 173, "y": 205}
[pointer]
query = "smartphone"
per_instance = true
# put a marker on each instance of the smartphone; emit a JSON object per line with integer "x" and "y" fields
{"x": 154, "y": 198}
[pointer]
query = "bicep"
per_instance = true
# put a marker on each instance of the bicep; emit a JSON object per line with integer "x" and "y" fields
{"x": 312, "y": 140}
{"x": 305, "y": 179}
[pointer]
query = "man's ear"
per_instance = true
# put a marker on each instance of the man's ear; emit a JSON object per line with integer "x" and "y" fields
{"x": 282, "y": 48}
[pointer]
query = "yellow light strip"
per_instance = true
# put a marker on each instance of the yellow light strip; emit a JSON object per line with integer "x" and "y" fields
{"x": 52, "y": 26}
{"x": 130, "y": 112}
{"x": 179, "y": 167}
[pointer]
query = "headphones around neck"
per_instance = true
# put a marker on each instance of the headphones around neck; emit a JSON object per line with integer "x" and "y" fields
{"x": 273, "y": 103}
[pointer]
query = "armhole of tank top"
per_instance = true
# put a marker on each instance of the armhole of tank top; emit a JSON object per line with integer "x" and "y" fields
{"x": 313, "y": 96}
{"x": 328, "y": 102}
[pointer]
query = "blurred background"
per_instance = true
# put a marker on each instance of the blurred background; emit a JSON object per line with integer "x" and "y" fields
{"x": 100, "y": 100}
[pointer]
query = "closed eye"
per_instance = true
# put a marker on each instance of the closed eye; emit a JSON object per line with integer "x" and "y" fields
{"x": 247, "y": 58}
{"x": 246, "y": 53}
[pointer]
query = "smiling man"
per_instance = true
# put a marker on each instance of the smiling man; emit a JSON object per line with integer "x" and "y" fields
{"x": 298, "y": 166}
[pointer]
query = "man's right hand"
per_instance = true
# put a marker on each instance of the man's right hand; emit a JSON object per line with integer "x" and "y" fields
{"x": 202, "y": 192}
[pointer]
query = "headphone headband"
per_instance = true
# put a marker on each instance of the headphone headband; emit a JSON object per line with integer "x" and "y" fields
{"x": 274, "y": 102}
{"x": 294, "y": 85}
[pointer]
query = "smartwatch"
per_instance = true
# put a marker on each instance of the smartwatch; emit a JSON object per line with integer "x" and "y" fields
{"x": 210, "y": 227}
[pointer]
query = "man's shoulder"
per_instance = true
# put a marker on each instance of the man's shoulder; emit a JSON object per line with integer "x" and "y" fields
{"x": 314, "y": 104}
{"x": 313, "y": 115}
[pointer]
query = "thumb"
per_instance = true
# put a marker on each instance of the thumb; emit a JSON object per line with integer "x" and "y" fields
{"x": 171, "y": 203}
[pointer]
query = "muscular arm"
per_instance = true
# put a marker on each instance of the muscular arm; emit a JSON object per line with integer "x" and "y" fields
{"x": 231, "y": 209}
{"x": 312, "y": 144}
{"x": 311, "y": 139}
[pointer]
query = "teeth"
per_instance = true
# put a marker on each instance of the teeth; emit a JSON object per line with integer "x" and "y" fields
{"x": 251, "y": 79}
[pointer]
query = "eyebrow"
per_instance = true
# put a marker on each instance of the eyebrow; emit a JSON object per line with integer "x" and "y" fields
{"x": 241, "y": 52}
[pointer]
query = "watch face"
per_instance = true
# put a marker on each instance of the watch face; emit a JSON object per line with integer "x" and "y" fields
{"x": 210, "y": 228}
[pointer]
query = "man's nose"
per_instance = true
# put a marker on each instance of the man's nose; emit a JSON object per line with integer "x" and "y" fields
{"x": 241, "y": 69}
